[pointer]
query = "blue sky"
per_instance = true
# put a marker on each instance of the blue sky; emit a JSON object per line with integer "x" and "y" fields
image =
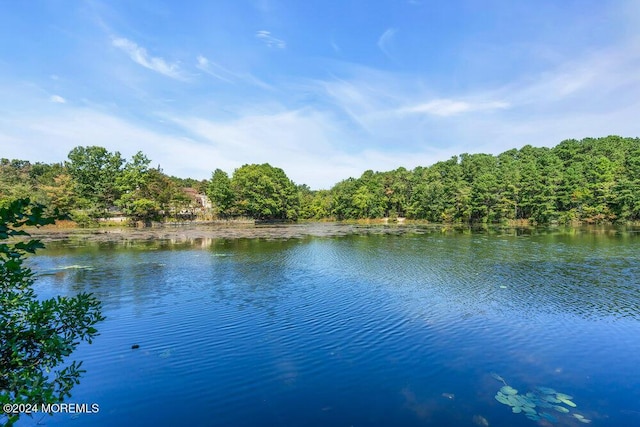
{"x": 323, "y": 89}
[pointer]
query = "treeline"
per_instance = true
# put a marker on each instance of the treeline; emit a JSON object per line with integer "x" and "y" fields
{"x": 95, "y": 183}
{"x": 592, "y": 180}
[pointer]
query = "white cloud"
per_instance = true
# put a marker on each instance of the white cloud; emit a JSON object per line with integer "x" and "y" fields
{"x": 213, "y": 69}
{"x": 449, "y": 107}
{"x": 307, "y": 144}
{"x": 270, "y": 40}
{"x": 587, "y": 82}
{"x": 57, "y": 99}
{"x": 139, "y": 55}
{"x": 221, "y": 73}
{"x": 385, "y": 41}
{"x": 202, "y": 62}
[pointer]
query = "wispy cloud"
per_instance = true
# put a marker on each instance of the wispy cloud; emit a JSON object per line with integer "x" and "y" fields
{"x": 335, "y": 47}
{"x": 224, "y": 74}
{"x": 590, "y": 95}
{"x": 57, "y": 99}
{"x": 276, "y": 138}
{"x": 385, "y": 41}
{"x": 213, "y": 69}
{"x": 450, "y": 107}
{"x": 600, "y": 78}
{"x": 270, "y": 40}
{"x": 139, "y": 55}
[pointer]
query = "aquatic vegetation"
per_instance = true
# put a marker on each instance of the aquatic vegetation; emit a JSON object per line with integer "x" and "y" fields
{"x": 64, "y": 269}
{"x": 581, "y": 418}
{"x": 480, "y": 421}
{"x": 498, "y": 377}
{"x": 166, "y": 353}
{"x": 508, "y": 390}
{"x": 76, "y": 267}
{"x": 533, "y": 403}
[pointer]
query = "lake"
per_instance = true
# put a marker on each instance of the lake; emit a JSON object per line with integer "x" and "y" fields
{"x": 413, "y": 327}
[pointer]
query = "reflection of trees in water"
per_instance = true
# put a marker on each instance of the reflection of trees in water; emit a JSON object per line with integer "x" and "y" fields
{"x": 247, "y": 271}
{"x": 590, "y": 273}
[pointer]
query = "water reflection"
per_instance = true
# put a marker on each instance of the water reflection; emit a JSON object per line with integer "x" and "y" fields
{"x": 587, "y": 274}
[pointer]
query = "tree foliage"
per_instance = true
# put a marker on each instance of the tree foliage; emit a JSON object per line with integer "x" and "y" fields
{"x": 220, "y": 192}
{"x": 264, "y": 192}
{"x": 36, "y": 336}
{"x": 96, "y": 173}
{"x": 591, "y": 180}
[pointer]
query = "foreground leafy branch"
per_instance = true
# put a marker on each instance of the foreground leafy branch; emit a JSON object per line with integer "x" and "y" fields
{"x": 36, "y": 336}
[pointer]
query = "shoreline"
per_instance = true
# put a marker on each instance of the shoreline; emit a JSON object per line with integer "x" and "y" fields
{"x": 208, "y": 230}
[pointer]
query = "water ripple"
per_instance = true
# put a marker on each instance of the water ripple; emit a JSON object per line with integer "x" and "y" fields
{"x": 362, "y": 329}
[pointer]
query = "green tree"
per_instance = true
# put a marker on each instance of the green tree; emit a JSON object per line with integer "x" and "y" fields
{"x": 134, "y": 175}
{"x": 428, "y": 197}
{"x": 60, "y": 193}
{"x": 36, "y": 336}
{"x": 314, "y": 204}
{"x": 264, "y": 192}
{"x": 96, "y": 173}
{"x": 479, "y": 172}
{"x": 220, "y": 192}
{"x": 342, "y": 197}
{"x": 396, "y": 192}
{"x": 162, "y": 189}
{"x": 15, "y": 180}
{"x": 540, "y": 179}
{"x": 133, "y": 183}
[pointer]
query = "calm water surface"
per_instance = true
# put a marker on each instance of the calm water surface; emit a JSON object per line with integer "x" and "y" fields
{"x": 362, "y": 330}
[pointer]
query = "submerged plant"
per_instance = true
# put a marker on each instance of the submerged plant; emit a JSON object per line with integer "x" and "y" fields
{"x": 537, "y": 404}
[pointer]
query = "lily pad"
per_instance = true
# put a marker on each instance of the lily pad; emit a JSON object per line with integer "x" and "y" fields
{"x": 502, "y": 398}
{"x": 581, "y": 418}
{"x": 568, "y": 402}
{"x": 551, "y": 399}
{"x": 509, "y": 390}
{"x": 544, "y": 404}
{"x": 514, "y": 400}
{"x": 563, "y": 396}
{"x": 529, "y": 403}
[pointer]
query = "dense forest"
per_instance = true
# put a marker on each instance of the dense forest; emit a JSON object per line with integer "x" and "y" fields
{"x": 591, "y": 180}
